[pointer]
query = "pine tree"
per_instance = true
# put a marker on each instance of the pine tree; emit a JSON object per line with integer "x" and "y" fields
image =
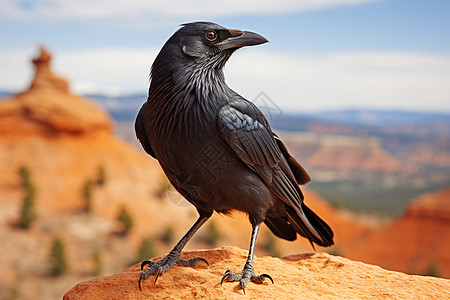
{"x": 126, "y": 221}
{"x": 270, "y": 244}
{"x": 212, "y": 235}
{"x": 27, "y": 212}
{"x": 58, "y": 264}
{"x": 98, "y": 261}
{"x": 433, "y": 270}
{"x": 147, "y": 249}
{"x": 164, "y": 188}
{"x": 168, "y": 235}
{"x": 87, "y": 195}
{"x": 101, "y": 177}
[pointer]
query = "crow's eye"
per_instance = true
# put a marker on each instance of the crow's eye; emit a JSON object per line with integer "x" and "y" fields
{"x": 211, "y": 35}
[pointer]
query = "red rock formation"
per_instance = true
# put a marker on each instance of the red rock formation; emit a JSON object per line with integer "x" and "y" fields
{"x": 47, "y": 107}
{"x": 414, "y": 243}
{"x": 44, "y": 77}
{"x": 64, "y": 141}
{"x": 342, "y": 153}
{"x": 432, "y": 205}
{"x": 307, "y": 276}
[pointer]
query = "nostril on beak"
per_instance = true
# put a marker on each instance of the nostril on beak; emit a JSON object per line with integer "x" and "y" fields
{"x": 236, "y": 32}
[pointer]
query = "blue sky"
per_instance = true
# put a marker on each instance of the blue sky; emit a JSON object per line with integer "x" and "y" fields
{"x": 323, "y": 54}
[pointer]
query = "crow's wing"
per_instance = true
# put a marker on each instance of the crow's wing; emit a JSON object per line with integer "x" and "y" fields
{"x": 300, "y": 173}
{"x": 247, "y": 132}
{"x": 245, "y": 129}
{"x": 139, "y": 128}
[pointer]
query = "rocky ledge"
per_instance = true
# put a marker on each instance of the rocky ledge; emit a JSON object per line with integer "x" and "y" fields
{"x": 304, "y": 276}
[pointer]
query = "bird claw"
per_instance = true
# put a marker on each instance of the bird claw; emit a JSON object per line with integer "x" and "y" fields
{"x": 230, "y": 276}
{"x": 146, "y": 262}
{"x": 260, "y": 278}
{"x": 244, "y": 278}
{"x": 164, "y": 265}
{"x": 191, "y": 262}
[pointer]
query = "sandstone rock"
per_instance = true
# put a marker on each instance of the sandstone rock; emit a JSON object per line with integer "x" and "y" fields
{"x": 44, "y": 77}
{"x": 48, "y": 107}
{"x": 434, "y": 205}
{"x": 306, "y": 276}
{"x": 342, "y": 153}
{"x": 415, "y": 243}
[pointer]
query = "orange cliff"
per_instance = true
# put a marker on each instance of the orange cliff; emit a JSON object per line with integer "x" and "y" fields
{"x": 416, "y": 243}
{"x": 62, "y": 138}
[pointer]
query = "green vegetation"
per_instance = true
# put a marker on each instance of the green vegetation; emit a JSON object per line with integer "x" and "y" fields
{"x": 126, "y": 221}
{"x": 370, "y": 197}
{"x": 164, "y": 187}
{"x": 98, "y": 262}
{"x": 212, "y": 235}
{"x": 89, "y": 186}
{"x": 87, "y": 195}
{"x": 101, "y": 176}
{"x": 433, "y": 270}
{"x": 58, "y": 264}
{"x": 27, "y": 212}
{"x": 168, "y": 235}
{"x": 10, "y": 292}
{"x": 147, "y": 249}
{"x": 337, "y": 202}
{"x": 25, "y": 175}
{"x": 270, "y": 244}
{"x": 334, "y": 251}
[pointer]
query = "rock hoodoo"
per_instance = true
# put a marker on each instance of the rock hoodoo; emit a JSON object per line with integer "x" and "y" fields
{"x": 48, "y": 107}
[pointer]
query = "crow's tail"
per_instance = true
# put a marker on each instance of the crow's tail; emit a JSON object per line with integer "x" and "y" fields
{"x": 305, "y": 222}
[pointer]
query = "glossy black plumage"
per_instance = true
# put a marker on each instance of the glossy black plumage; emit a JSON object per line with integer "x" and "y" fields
{"x": 216, "y": 148}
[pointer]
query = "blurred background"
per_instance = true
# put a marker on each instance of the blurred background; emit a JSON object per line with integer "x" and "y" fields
{"x": 359, "y": 90}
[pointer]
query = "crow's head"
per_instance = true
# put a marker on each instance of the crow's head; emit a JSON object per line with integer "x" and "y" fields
{"x": 206, "y": 40}
{"x": 201, "y": 46}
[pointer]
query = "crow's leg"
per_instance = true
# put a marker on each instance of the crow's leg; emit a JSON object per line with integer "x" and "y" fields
{"x": 173, "y": 257}
{"x": 248, "y": 273}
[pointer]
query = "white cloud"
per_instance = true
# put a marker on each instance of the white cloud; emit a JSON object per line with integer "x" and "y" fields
{"x": 297, "y": 82}
{"x": 15, "y": 73}
{"x": 148, "y": 11}
{"x": 372, "y": 80}
{"x": 112, "y": 71}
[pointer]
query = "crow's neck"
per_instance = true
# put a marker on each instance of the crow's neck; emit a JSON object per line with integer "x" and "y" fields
{"x": 208, "y": 85}
{"x": 189, "y": 99}
{"x": 204, "y": 78}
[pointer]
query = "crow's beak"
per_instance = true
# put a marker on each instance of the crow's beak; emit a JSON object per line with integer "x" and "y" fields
{"x": 242, "y": 38}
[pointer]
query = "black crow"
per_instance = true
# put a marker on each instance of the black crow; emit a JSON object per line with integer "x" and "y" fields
{"x": 217, "y": 149}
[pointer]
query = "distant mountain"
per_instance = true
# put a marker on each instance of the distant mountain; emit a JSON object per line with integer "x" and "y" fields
{"x": 380, "y": 117}
{"x": 121, "y": 108}
{"x": 6, "y": 94}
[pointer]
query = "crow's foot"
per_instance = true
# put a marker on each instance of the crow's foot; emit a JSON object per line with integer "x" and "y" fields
{"x": 159, "y": 267}
{"x": 247, "y": 275}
